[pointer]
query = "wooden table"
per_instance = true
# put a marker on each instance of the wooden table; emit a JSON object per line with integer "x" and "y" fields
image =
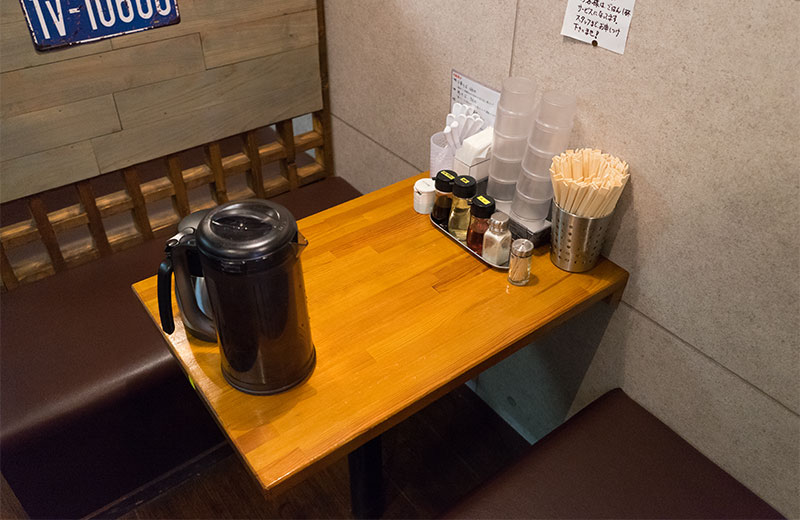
{"x": 400, "y": 315}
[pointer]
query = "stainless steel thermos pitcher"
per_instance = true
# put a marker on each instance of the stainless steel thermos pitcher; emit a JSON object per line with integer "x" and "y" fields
{"x": 248, "y": 255}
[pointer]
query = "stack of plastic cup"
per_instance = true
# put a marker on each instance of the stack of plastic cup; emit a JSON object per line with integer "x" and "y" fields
{"x": 512, "y": 126}
{"x": 549, "y": 136}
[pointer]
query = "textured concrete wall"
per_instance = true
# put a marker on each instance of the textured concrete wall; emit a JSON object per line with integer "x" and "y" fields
{"x": 703, "y": 105}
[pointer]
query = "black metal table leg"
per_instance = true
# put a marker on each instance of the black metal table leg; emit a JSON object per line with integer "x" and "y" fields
{"x": 366, "y": 481}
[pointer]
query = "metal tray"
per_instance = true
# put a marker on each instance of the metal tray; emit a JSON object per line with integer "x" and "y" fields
{"x": 463, "y": 245}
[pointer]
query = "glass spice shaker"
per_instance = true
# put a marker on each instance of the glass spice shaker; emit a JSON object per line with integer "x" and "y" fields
{"x": 497, "y": 240}
{"x": 464, "y": 188}
{"x": 519, "y": 269}
{"x": 444, "y": 198}
{"x": 481, "y": 209}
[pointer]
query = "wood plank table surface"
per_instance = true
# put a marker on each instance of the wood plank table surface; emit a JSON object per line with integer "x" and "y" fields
{"x": 400, "y": 315}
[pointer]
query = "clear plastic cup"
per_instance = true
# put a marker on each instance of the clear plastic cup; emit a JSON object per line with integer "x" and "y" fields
{"x": 518, "y": 94}
{"x": 534, "y": 226}
{"x": 557, "y": 108}
{"x": 528, "y": 207}
{"x": 503, "y": 205}
{"x": 534, "y": 186}
{"x": 441, "y": 154}
{"x": 512, "y": 124}
{"x": 537, "y": 162}
{"x": 504, "y": 169}
{"x": 501, "y": 191}
{"x": 549, "y": 138}
{"x": 509, "y": 147}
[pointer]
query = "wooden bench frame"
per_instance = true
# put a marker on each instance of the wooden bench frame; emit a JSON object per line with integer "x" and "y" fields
{"x": 45, "y": 225}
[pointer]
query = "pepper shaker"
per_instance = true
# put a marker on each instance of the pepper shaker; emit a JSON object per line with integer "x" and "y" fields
{"x": 519, "y": 268}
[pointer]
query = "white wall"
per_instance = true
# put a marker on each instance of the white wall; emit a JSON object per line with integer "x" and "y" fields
{"x": 704, "y": 106}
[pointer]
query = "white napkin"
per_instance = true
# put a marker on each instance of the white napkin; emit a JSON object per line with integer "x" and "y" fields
{"x": 476, "y": 148}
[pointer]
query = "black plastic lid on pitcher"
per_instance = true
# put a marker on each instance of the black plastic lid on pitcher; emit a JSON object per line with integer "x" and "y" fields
{"x": 465, "y": 186}
{"x": 482, "y": 206}
{"x": 246, "y": 232}
{"x": 444, "y": 180}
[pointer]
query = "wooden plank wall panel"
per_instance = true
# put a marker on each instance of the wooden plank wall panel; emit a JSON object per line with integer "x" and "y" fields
{"x": 228, "y": 69}
{"x": 8, "y": 9}
{"x": 66, "y": 81}
{"x": 259, "y": 37}
{"x": 18, "y": 50}
{"x": 43, "y": 170}
{"x": 231, "y": 9}
{"x": 198, "y": 92}
{"x": 197, "y": 17}
{"x": 32, "y": 132}
{"x": 142, "y": 96}
{"x": 136, "y": 144}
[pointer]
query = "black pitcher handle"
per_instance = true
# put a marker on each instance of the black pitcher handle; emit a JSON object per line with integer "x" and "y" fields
{"x": 195, "y": 320}
{"x": 165, "y": 295}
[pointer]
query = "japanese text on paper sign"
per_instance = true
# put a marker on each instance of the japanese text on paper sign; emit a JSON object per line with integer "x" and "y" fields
{"x": 590, "y": 19}
{"x": 600, "y": 22}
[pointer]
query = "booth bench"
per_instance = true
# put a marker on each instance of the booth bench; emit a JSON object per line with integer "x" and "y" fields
{"x": 94, "y": 407}
{"x": 93, "y": 404}
{"x": 613, "y": 459}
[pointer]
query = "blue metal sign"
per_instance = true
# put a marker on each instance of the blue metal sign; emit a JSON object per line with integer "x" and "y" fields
{"x": 57, "y": 23}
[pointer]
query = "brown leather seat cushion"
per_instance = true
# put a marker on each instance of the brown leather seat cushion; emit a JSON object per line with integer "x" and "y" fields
{"x": 92, "y": 403}
{"x": 613, "y": 460}
{"x": 318, "y": 196}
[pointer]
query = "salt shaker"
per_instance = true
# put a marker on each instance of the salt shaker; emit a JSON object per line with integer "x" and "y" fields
{"x": 497, "y": 240}
{"x": 519, "y": 268}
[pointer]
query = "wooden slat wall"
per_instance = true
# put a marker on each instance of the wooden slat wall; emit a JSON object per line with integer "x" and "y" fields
{"x": 137, "y": 198}
{"x": 228, "y": 69}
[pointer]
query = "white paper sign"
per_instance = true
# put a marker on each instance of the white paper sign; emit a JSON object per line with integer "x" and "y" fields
{"x": 599, "y": 22}
{"x": 467, "y": 91}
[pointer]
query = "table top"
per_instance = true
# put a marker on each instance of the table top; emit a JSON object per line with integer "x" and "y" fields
{"x": 400, "y": 315}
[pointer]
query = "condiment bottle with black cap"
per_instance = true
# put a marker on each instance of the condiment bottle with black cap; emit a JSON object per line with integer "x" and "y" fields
{"x": 481, "y": 210}
{"x": 444, "y": 197}
{"x": 464, "y": 188}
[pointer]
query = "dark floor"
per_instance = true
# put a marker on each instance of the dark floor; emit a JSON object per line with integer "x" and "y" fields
{"x": 430, "y": 461}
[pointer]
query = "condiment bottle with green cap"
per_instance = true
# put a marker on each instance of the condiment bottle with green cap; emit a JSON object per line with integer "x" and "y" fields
{"x": 464, "y": 188}
{"x": 444, "y": 197}
{"x": 481, "y": 210}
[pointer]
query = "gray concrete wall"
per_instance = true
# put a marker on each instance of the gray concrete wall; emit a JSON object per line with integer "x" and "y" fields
{"x": 704, "y": 106}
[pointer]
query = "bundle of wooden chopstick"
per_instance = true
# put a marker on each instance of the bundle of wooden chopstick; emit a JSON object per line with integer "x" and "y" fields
{"x": 588, "y": 183}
